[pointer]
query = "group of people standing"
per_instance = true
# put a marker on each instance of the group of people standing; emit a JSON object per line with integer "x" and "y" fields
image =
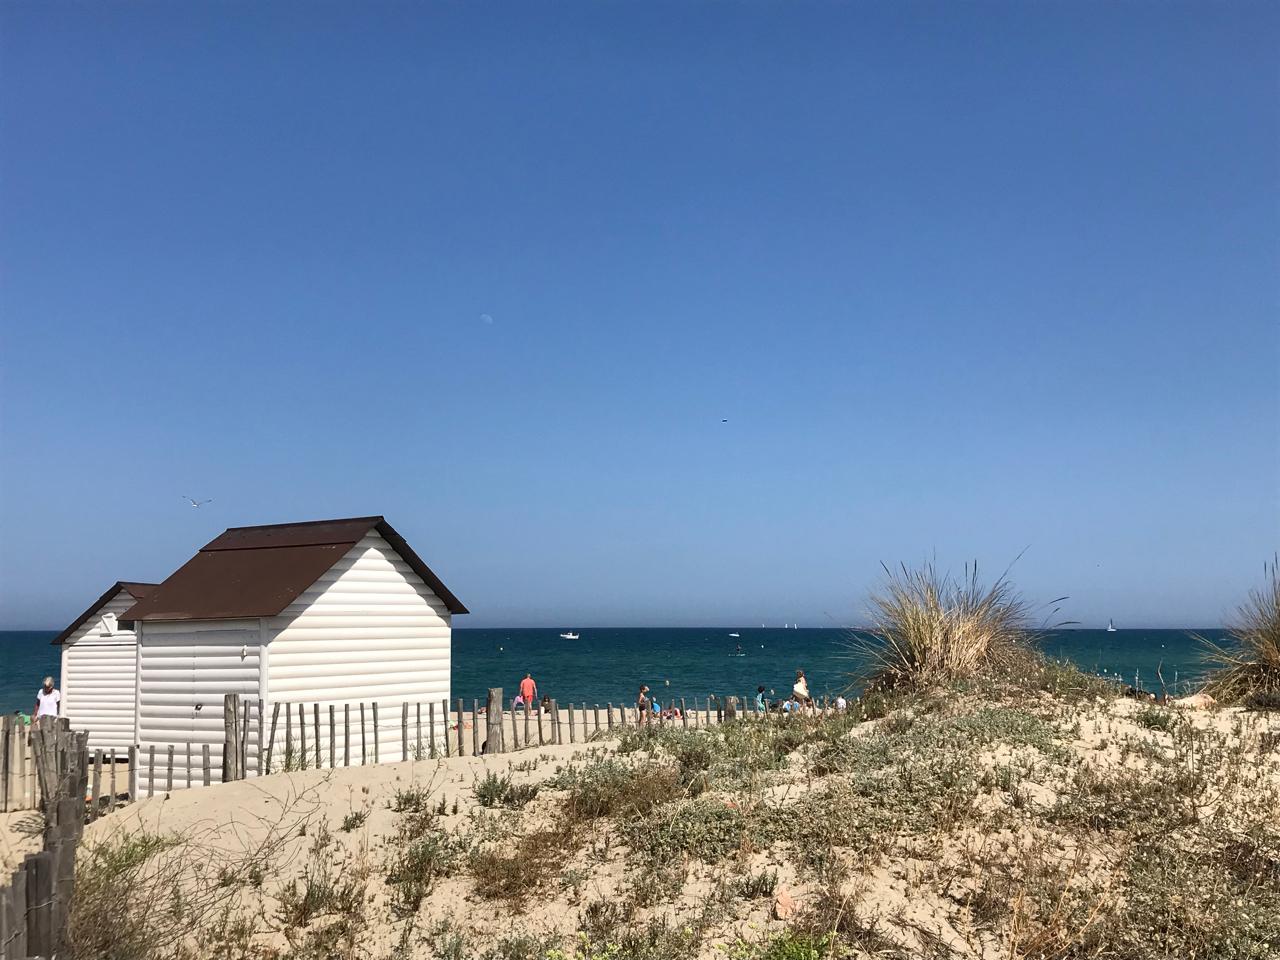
{"x": 647, "y": 707}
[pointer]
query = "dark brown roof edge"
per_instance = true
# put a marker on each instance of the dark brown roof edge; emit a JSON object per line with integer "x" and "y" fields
{"x": 135, "y": 588}
{"x": 452, "y": 603}
{"x": 368, "y": 522}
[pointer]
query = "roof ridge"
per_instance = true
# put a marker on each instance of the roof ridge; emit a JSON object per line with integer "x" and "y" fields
{"x": 375, "y": 518}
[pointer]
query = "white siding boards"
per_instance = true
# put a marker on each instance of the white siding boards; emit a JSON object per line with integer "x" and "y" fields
{"x": 98, "y": 673}
{"x": 184, "y": 670}
{"x": 368, "y": 630}
{"x": 297, "y": 617}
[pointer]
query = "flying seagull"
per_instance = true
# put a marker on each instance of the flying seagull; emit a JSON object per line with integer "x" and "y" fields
{"x": 726, "y": 420}
{"x": 197, "y": 503}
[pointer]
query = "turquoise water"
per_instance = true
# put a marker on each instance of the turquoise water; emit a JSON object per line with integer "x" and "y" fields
{"x": 608, "y": 665}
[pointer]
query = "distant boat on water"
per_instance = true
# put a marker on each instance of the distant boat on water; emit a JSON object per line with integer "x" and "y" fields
{"x": 570, "y": 636}
{"x": 735, "y": 634}
{"x": 1111, "y": 626}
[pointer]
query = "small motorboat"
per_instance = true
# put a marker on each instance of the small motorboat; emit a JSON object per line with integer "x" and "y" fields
{"x": 570, "y": 636}
{"x": 735, "y": 634}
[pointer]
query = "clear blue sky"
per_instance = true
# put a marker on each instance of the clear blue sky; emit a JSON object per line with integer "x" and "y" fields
{"x": 962, "y": 278}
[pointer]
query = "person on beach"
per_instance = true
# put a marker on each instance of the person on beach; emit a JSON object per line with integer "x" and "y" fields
{"x": 528, "y": 690}
{"x": 642, "y": 703}
{"x": 48, "y": 700}
{"x": 760, "y": 704}
{"x": 800, "y": 690}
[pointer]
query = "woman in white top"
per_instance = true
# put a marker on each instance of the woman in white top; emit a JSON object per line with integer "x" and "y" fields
{"x": 48, "y": 700}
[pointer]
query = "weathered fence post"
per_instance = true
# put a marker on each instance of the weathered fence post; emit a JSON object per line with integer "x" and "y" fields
{"x": 111, "y": 798}
{"x": 444, "y": 718}
{"x": 262, "y": 736}
{"x": 315, "y": 728}
{"x": 377, "y": 753}
{"x": 608, "y": 715}
{"x": 493, "y": 742}
{"x": 572, "y": 736}
{"x": 515, "y": 734}
{"x": 460, "y": 716}
{"x": 40, "y": 903}
{"x": 169, "y": 773}
{"x": 475, "y": 728}
{"x": 333, "y": 740}
{"x": 230, "y": 739}
{"x": 151, "y": 770}
{"x": 431, "y": 730}
{"x": 731, "y": 708}
{"x": 596, "y": 712}
{"x": 404, "y": 730}
{"x": 684, "y": 714}
{"x": 346, "y": 734}
{"x": 97, "y": 785}
{"x": 205, "y": 763}
{"x": 555, "y": 722}
{"x": 271, "y": 741}
{"x": 302, "y": 736}
{"x": 417, "y": 720}
{"x": 364, "y": 749}
{"x": 133, "y": 771}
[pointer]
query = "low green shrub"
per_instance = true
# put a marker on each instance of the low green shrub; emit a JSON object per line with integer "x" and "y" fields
{"x": 496, "y": 791}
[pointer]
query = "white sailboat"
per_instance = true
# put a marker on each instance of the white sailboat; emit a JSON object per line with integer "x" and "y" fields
{"x": 735, "y": 634}
{"x": 570, "y": 636}
{"x": 1111, "y": 626}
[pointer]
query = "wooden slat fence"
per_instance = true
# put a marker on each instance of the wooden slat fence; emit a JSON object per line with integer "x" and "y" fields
{"x": 36, "y": 903}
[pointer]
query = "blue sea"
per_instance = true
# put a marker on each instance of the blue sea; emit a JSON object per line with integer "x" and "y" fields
{"x": 608, "y": 665}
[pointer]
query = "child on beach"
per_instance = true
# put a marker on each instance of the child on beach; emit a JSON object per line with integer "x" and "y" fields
{"x": 760, "y": 705}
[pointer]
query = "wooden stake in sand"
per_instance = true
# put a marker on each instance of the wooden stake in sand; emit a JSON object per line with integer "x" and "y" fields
{"x": 97, "y": 785}
{"x": 572, "y": 736}
{"x": 404, "y": 730}
{"x": 346, "y": 734}
{"x": 376, "y": 752}
{"x": 684, "y": 714}
{"x": 459, "y": 715}
{"x": 315, "y": 726}
{"x": 302, "y": 736}
{"x": 430, "y": 728}
{"x": 262, "y": 734}
{"x": 333, "y": 740}
{"x": 133, "y": 771}
{"x": 493, "y": 713}
{"x": 271, "y": 742}
{"x": 364, "y": 749}
{"x": 151, "y": 770}
{"x": 444, "y": 718}
{"x": 608, "y": 714}
{"x": 204, "y": 762}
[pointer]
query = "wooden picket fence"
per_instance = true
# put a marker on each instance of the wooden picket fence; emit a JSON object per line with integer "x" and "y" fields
{"x": 36, "y": 903}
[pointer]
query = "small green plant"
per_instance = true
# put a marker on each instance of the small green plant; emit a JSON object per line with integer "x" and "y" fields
{"x": 1156, "y": 718}
{"x": 354, "y": 820}
{"x": 496, "y": 791}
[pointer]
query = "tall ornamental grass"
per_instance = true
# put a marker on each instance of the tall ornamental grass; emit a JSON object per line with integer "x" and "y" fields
{"x": 1248, "y": 665}
{"x": 931, "y": 628}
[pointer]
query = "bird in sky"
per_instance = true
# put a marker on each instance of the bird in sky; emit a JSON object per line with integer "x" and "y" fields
{"x": 726, "y": 420}
{"x": 197, "y": 503}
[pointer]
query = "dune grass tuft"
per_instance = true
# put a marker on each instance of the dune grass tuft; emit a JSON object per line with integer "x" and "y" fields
{"x": 1249, "y": 666}
{"x": 931, "y": 628}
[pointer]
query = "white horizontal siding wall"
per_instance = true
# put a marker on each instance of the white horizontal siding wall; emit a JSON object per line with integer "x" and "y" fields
{"x": 99, "y": 671}
{"x": 369, "y": 630}
{"x": 184, "y": 670}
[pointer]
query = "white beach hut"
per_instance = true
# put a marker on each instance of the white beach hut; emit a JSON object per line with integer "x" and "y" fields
{"x": 99, "y": 668}
{"x": 328, "y": 612}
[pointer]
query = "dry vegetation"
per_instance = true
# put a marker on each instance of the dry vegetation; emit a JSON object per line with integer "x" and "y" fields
{"x": 991, "y": 820}
{"x": 1248, "y": 669}
{"x": 982, "y": 802}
